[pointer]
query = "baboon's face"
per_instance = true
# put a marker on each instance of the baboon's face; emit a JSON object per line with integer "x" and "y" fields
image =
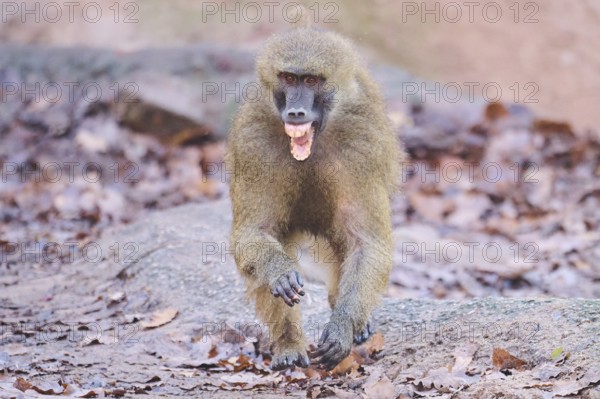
{"x": 303, "y": 103}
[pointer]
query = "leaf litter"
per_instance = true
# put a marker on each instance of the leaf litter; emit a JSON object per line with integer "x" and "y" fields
{"x": 541, "y": 211}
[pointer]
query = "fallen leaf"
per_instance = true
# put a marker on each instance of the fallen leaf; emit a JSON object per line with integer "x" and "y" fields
{"x": 296, "y": 375}
{"x": 379, "y": 386}
{"x": 22, "y": 385}
{"x": 160, "y": 318}
{"x": 559, "y": 355}
{"x": 90, "y": 394}
{"x": 573, "y": 387}
{"x": 313, "y": 392}
{"x": 45, "y": 389}
{"x": 314, "y": 373}
{"x": 376, "y": 343}
{"x": 545, "y": 371}
{"x": 251, "y": 380}
{"x": 345, "y": 394}
{"x": 539, "y": 385}
{"x": 504, "y": 360}
{"x": 117, "y": 393}
{"x": 454, "y": 376}
{"x": 346, "y": 365}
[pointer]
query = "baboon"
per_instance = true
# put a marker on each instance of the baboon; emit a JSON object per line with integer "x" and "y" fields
{"x": 319, "y": 127}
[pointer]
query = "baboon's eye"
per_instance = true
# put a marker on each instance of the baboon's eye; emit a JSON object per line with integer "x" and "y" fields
{"x": 310, "y": 80}
{"x": 289, "y": 78}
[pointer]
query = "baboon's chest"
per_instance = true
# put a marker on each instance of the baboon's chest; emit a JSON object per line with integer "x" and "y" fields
{"x": 312, "y": 209}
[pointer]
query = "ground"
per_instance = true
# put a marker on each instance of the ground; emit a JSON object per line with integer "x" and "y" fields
{"x": 172, "y": 321}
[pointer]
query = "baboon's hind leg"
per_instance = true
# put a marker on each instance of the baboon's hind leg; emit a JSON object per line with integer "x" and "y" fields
{"x": 332, "y": 295}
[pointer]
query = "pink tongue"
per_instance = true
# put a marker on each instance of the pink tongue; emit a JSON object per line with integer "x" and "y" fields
{"x": 300, "y": 151}
{"x": 301, "y": 140}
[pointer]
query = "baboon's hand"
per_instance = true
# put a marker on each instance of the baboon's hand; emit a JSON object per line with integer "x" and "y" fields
{"x": 288, "y": 287}
{"x": 335, "y": 343}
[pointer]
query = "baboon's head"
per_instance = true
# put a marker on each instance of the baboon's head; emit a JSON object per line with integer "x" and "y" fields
{"x": 309, "y": 73}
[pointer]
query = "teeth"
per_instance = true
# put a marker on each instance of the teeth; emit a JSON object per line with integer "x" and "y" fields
{"x": 300, "y": 147}
{"x": 295, "y": 131}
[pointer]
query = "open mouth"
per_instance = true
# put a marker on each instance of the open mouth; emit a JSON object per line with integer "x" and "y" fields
{"x": 301, "y": 139}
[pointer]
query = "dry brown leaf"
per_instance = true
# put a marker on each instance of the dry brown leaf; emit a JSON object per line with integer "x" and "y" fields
{"x": 241, "y": 362}
{"x": 213, "y": 352}
{"x": 116, "y": 393}
{"x": 295, "y": 375}
{"x": 443, "y": 377}
{"x": 45, "y": 389}
{"x": 344, "y": 394}
{"x": 504, "y": 360}
{"x": 454, "y": 376}
{"x": 71, "y": 390}
{"x": 251, "y": 380}
{"x": 160, "y": 318}
{"x": 379, "y": 386}
{"x": 545, "y": 371}
{"x": 539, "y": 385}
{"x": 360, "y": 355}
{"x": 573, "y": 387}
{"x": 463, "y": 357}
{"x": 314, "y": 373}
{"x": 89, "y": 394}
{"x": 348, "y": 364}
{"x": 567, "y": 387}
{"x": 22, "y": 385}
{"x": 313, "y": 392}
{"x": 376, "y": 343}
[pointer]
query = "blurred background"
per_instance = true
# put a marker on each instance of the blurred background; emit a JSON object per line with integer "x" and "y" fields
{"x": 111, "y": 110}
{"x": 552, "y": 44}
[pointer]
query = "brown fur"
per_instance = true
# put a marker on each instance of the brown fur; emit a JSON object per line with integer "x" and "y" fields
{"x": 341, "y": 193}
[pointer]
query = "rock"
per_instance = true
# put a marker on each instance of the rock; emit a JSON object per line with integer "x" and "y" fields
{"x": 186, "y": 250}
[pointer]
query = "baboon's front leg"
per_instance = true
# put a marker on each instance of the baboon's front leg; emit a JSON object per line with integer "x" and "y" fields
{"x": 276, "y": 287}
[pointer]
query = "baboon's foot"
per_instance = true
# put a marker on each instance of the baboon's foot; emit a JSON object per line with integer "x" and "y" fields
{"x": 284, "y": 358}
{"x": 364, "y": 335}
{"x": 335, "y": 343}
